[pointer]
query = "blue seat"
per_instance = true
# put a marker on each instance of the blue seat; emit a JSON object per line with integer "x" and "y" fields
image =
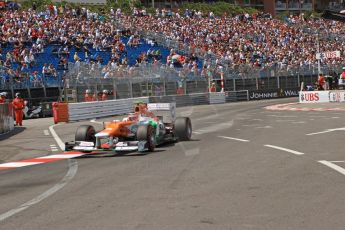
{"x": 49, "y": 58}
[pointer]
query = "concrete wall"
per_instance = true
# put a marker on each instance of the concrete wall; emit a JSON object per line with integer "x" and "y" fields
{"x": 6, "y": 118}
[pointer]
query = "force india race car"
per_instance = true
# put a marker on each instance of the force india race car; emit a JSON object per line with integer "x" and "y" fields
{"x": 150, "y": 125}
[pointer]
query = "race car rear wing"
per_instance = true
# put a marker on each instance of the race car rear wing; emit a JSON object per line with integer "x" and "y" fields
{"x": 166, "y": 110}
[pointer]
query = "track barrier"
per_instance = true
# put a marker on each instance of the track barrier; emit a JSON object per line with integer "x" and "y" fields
{"x": 234, "y": 96}
{"x": 217, "y": 98}
{"x": 326, "y": 96}
{"x": 6, "y": 118}
{"x": 65, "y": 112}
{"x": 60, "y": 112}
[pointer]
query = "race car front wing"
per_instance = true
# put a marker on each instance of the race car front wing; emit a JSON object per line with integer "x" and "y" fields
{"x": 82, "y": 146}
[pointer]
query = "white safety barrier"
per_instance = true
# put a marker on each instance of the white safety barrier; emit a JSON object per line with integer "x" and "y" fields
{"x": 322, "y": 96}
{"x": 64, "y": 112}
{"x": 97, "y": 109}
{"x": 217, "y": 97}
{"x": 337, "y": 96}
{"x": 313, "y": 96}
{"x": 89, "y": 110}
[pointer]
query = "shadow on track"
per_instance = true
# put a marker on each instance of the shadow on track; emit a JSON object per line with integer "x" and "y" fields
{"x": 16, "y": 131}
{"x": 133, "y": 153}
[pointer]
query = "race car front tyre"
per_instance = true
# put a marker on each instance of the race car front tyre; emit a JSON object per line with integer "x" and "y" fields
{"x": 147, "y": 133}
{"x": 183, "y": 128}
{"x": 85, "y": 133}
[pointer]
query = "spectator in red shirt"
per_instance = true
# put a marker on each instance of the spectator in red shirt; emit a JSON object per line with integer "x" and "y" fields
{"x": 321, "y": 82}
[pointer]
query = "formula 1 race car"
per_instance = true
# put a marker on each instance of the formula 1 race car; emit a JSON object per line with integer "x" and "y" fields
{"x": 150, "y": 125}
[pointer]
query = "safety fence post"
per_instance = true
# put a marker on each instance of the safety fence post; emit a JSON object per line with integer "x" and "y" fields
{"x": 278, "y": 82}
{"x": 114, "y": 88}
{"x": 234, "y": 84}
{"x": 222, "y": 82}
{"x": 130, "y": 89}
{"x": 164, "y": 86}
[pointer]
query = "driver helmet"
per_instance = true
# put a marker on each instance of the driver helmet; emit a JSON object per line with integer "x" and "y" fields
{"x": 3, "y": 94}
{"x": 105, "y": 91}
{"x": 88, "y": 91}
{"x": 18, "y": 95}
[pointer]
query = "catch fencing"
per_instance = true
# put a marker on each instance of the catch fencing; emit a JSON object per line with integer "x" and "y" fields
{"x": 6, "y": 118}
{"x": 39, "y": 89}
{"x": 98, "y": 109}
{"x": 150, "y": 80}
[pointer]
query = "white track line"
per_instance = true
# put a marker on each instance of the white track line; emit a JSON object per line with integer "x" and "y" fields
{"x": 264, "y": 127}
{"x": 72, "y": 171}
{"x": 333, "y": 166}
{"x": 57, "y": 138}
{"x": 73, "y": 168}
{"x": 280, "y": 116}
{"x": 233, "y": 138}
{"x": 327, "y": 131}
{"x": 19, "y": 164}
{"x": 65, "y": 156}
{"x": 311, "y": 134}
{"x": 284, "y": 149}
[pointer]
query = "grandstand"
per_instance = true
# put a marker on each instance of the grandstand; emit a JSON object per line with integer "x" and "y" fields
{"x": 37, "y": 58}
{"x": 50, "y": 57}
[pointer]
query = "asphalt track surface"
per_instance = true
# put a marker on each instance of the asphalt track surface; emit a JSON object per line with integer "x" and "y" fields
{"x": 246, "y": 168}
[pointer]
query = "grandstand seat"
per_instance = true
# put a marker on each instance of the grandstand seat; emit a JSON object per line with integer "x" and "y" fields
{"x": 48, "y": 57}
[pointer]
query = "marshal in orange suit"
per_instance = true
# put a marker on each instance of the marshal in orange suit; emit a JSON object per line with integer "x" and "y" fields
{"x": 18, "y": 106}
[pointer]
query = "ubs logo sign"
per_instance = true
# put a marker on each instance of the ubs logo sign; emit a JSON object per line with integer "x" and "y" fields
{"x": 310, "y": 96}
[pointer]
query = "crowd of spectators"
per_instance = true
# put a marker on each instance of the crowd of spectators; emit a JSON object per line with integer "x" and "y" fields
{"x": 257, "y": 40}
{"x": 26, "y": 34}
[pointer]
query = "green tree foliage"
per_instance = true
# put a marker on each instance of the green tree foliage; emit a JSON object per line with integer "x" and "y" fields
{"x": 41, "y": 4}
{"x": 219, "y": 8}
{"x": 125, "y": 5}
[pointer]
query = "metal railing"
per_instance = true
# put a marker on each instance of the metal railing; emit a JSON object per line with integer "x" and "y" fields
{"x": 9, "y": 79}
{"x": 161, "y": 80}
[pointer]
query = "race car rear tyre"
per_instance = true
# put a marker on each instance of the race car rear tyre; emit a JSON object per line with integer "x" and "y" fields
{"x": 183, "y": 128}
{"x": 147, "y": 133}
{"x": 85, "y": 133}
